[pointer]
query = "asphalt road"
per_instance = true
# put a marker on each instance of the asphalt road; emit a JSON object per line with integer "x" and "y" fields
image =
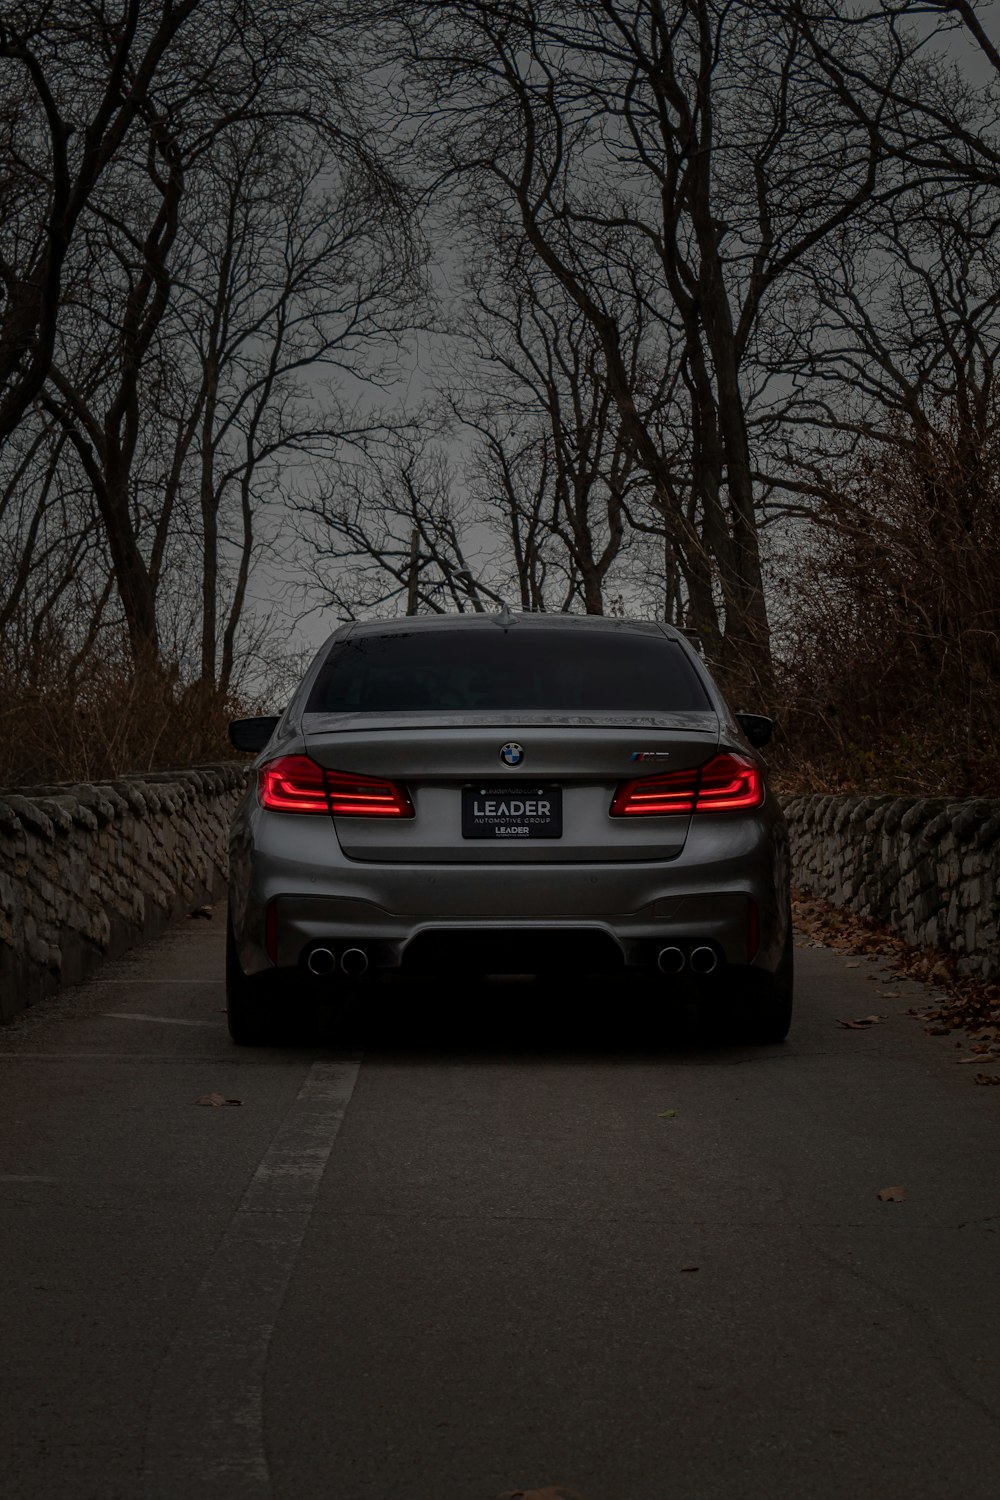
{"x": 482, "y": 1256}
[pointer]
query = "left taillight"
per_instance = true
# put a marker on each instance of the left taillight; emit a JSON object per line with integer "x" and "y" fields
{"x": 293, "y": 784}
{"x": 296, "y": 784}
{"x": 726, "y": 783}
{"x": 366, "y": 796}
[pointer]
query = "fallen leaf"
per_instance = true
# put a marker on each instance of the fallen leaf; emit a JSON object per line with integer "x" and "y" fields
{"x": 667, "y": 1114}
{"x": 975, "y": 1058}
{"x": 853, "y": 966}
{"x": 203, "y": 911}
{"x": 690, "y": 1268}
{"x": 987, "y": 1078}
{"x": 862, "y": 1023}
{"x": 550, "y": 1492}
{"x": 892, "y": 1195}
{"x": 216, "y": 1101}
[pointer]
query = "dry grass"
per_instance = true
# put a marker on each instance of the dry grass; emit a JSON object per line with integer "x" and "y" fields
{"x": 890, "y": 672}
{"x": 111, "y": 723}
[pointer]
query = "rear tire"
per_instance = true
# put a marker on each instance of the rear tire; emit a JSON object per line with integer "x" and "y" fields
{"x": 767, "y": 1010}
{"x": 250, "y": 1007}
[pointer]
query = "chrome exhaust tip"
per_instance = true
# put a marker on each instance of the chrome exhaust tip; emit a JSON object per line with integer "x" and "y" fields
{"x": 670, "y": 960}
{"x": 321, "y": 962}
{"x": 354, "y": 962}
{"x": 704, "y": 960}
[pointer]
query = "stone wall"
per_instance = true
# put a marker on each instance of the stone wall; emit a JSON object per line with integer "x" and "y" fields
{"x": 928, "y": 867}
{"x": 88, "y": 871}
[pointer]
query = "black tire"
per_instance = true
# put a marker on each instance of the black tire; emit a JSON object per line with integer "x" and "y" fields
{"x": 767, "y": 1010}
{"x": 250, "y": 1009}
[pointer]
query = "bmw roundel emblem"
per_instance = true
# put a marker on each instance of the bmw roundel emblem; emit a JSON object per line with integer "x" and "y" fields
{"x": 512, "y": 753}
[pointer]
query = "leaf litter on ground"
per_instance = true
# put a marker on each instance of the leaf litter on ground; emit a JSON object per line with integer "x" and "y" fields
{"x": 216, "y": 1101}
{"x": 548, "y": 1492}
{"x": 963, "y": 1003}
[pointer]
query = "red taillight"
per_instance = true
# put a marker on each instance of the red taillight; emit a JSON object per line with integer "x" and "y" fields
{"x": 728, "y": 783}
{"x": 366, "y": 797}
{"x": 292, "y": 784}
{"x": 297, "y": 784}
{"x": 724, "y": 784}
{"x": 656, "y": 796}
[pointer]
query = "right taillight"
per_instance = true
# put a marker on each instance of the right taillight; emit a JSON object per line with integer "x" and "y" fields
{"x": 296, "y": 784}
{"x": 727, "y": 783}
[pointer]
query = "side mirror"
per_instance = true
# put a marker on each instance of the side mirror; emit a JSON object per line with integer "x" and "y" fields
{"x": 757, "y": 728}
{"x": 252, "y": 735}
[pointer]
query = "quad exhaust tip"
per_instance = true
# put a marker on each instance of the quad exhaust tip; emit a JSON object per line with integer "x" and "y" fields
{"x": 704, "y": 960}
{"x": 670, "y": 960}
{"x": 354, "y": 962}
{"x": 321, "y": 962}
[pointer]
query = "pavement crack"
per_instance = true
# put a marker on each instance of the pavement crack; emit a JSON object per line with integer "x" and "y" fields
{"x": 934, "y": 1345}
{"x": 978, "y": 1223}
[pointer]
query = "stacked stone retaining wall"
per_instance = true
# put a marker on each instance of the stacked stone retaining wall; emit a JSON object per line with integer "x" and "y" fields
{"x": 88, "y": 871}
{"x": 927, "y": 867}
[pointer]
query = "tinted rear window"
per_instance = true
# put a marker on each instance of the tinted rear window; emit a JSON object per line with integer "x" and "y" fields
{"x": 514, "y": 670}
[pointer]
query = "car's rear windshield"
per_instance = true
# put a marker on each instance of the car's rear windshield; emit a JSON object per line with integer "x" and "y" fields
{"x": 474, "y": 671}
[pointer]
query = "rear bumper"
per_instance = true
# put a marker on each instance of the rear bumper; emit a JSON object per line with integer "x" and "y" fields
{"x": 729, "y": 887}
{"x": 300, "y": 922}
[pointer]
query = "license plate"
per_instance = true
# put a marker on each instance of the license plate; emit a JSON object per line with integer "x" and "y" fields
{"x": 512, "y": 813}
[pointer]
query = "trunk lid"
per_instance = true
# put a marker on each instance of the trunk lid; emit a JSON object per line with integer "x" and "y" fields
{"x": 576, "y": 760}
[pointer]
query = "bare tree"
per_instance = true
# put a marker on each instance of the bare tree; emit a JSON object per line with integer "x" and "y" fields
{"x": 301, "y": 281}
{"x": 242, "y": 255}
{"x": 543, "y": 409}
{"x": 73, "y": 79}
{"x": 391, "y": 535}
{"x": 683, "y": 157}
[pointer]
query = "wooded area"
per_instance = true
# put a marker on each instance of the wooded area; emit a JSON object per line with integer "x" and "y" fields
{"x": 686, "y": 309}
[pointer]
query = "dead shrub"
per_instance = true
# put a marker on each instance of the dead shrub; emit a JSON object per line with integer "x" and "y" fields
{"x": 890, "y": 665}
{"x": 106, "y": 721}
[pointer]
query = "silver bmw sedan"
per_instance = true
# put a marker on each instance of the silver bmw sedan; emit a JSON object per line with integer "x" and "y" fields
{"x": 507, "y": 793}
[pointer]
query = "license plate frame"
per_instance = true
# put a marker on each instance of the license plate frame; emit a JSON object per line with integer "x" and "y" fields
{"x": 507, "y": 813}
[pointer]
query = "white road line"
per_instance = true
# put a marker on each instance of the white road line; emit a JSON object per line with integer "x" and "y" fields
{"x": 205, "y": 1433}
{"x": 126, "y": 1015}
{"x": 181, "y": 1058}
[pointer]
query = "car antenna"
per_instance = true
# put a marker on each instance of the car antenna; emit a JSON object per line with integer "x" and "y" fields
{"x": 505, "y": 618}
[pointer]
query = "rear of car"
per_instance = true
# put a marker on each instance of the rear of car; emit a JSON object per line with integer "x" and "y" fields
{"x": 508, "y": 793}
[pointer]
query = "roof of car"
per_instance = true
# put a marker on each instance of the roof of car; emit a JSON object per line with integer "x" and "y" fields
{"x": 506, "y": 619}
